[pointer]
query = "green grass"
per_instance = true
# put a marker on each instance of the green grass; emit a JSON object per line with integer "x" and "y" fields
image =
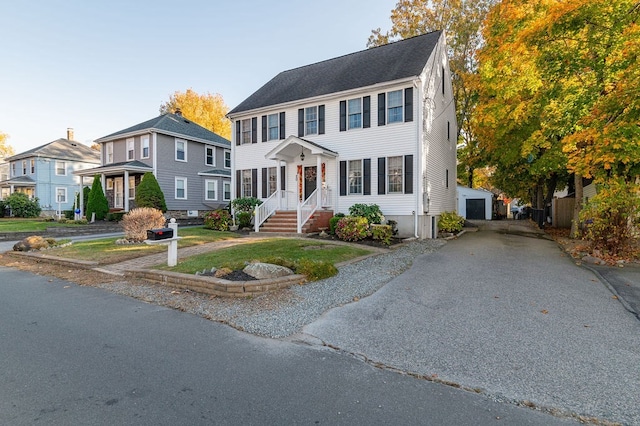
{"x": 106, "y": 251}
{"x": 28, "y": 225}
{"x": 289, "y": 249}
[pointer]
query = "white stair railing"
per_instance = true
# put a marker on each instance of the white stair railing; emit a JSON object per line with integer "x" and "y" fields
{"x": 306, "y": 209}
{"x": 266, "y": 209}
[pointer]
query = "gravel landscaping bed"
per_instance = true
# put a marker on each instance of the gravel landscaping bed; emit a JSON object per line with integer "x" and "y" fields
{"x": 283, "y": 313}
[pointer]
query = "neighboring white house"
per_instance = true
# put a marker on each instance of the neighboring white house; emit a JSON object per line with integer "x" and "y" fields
{"x": 375, "y": 127}
{"x": 475, "y": 204}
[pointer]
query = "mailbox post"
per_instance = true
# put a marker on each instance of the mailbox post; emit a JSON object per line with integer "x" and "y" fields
{"x": 172, "y": 242}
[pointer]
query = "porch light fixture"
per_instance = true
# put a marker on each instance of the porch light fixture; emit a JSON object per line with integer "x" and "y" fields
{"x": 302, "y": 155}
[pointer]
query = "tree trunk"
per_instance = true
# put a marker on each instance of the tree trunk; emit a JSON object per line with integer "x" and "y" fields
{"x": 470, "y": 177}
{"x": 577, "y": 208}
{"x": 539, "y": 201}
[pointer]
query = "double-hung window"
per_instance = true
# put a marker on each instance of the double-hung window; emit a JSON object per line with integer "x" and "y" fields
{"x": 311, "y": 120}
{"x": 130, "y": 149}
{"x": 273, "y": 127}
{"x": 13, "y": 169}
{"x": 109, "y": 149}
{"x": 273, "y": 179}
{"x": 227, "y": 159}
{"x": 181, "y": 150}
{"x": 354, "y": 113}
{"x": 24, "y": 167}
{"x": 394, "y": 174}
{"x": 61, "y": 168}
{"x": 33, "y": 166}
{"x": 355, "y": 177}
{"x": 245, "y": 131}
{"x": 226, "y": 189}
{"x": 181, "y": 188}
{"x": 145, "y": 146}
{"x": 246, "y": 183}
{"x": 394, "y": 107}
{"x": 61, "y": 195}
{"x": 211, "y": 190}
{"x": 132, "y": 187}
{"x": 209, "y": 155}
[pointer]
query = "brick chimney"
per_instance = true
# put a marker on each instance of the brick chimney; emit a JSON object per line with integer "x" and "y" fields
{"x": 70, "y": 133}
{"x": 178, "y": 112}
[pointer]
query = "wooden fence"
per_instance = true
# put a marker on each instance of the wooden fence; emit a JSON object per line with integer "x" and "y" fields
{"x": 562, "y": 212}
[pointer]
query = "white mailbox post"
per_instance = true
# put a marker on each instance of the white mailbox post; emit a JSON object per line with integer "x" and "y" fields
{"x": 172, "y": 252}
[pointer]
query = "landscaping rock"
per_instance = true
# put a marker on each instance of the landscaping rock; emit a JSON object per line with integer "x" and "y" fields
{"x": 34, "y": 242}
{"x": 266, "y": 270}
{"x": 593, "y": 260}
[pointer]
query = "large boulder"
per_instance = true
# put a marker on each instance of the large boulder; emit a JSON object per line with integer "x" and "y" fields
{"x": 34, "y": 242}
{"x": 263, "y": 271}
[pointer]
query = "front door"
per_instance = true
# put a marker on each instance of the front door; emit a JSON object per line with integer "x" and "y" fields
{"x": 310, "y": 178}
{"x": 118, "y": 193}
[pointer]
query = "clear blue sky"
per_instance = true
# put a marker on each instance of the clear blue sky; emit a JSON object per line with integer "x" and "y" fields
{"x": 101, "y": 66}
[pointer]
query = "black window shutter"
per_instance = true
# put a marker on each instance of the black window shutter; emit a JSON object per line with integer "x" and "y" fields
{"x": 382, "y": 105}
{"x": 443, "y": 80}
{"x": 343, "y": 116}
{"x": 301, "y": 122}
{"x": 448, "y": 130}
{"x": 408, "y": 104}
{"x": 264, "y": 128}
{"x": 254, "y": 130}
{"x": 408, "y": 174}
{"x": 264, "y": 182}
{"x": 238, "y": 184}
{"x": 238, "y": 132}
{"x": 321, "y": 120}
{"x": 366, "y": 112}
{"x": 254, "y": 183}
{"x": 382, "y": 184}
{"x": 282, "y": 129}
{"x": 343, "y": 178}
{"x": 283, "y": 182}
{"x": 366, "y": 176}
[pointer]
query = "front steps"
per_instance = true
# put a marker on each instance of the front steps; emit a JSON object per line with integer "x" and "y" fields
{"x": 284, "y": 221}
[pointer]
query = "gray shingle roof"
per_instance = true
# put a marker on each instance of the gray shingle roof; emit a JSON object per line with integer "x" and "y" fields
{"x": 61, "y": 149}
{"x": 173, "y": 124}
{"x": 217, "y": 172}
{"x": 393, "y": 61}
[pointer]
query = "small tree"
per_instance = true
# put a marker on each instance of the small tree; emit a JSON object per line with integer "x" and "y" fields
{"x": 97, "y": 202}
{"x": 22, "y": 206}
{"x": 149, "y": 194}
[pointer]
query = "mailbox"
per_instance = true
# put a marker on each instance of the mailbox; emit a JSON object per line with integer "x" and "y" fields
{"x": 159, "y": 234}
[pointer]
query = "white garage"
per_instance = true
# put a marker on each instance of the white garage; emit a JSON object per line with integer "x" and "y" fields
{"x": 474, "y": 204}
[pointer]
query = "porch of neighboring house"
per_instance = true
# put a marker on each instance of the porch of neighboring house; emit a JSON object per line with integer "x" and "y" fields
{"x": 18, "y": 184}
{"x": 308, "y": 207}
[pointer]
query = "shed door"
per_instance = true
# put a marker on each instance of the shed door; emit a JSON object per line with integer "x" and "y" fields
{"x": 476, "y": 209}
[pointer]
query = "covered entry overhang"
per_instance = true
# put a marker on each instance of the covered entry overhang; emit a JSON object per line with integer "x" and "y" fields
{"x": 293, "y": 148}
{"x": 123, "y": 169}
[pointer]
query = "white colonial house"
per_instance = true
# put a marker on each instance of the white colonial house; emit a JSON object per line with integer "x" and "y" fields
{"x": 374, "y": 127}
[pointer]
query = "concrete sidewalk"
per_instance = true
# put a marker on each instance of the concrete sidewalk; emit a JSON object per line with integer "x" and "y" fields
{"x": 506, "y": 315}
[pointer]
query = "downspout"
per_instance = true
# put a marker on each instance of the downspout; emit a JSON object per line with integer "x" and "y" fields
{"x": 418, "y": 160}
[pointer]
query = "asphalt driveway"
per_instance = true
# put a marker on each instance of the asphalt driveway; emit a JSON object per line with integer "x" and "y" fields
{"x": 507, "y": 315}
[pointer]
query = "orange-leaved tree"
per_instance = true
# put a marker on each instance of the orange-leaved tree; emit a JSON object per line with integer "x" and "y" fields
{"x": 208, "y": 110}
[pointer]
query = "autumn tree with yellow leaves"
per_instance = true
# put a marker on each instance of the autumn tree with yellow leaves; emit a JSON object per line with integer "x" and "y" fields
{"x": 207, "y": 110}
{"x": 6, "y": 150}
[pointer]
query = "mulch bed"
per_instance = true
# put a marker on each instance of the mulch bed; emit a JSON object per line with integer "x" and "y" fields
{"x": 233, "y": 276}
{"x": 366, "y": 242}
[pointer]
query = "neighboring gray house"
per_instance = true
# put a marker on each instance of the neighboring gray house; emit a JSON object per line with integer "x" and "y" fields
{"x": 48, "y": 173}
{"x": 192, "y": 165}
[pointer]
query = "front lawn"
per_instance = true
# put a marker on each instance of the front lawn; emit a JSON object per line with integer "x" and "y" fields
{"x": 28, "y": 225}
{"x": 287, "y": 249}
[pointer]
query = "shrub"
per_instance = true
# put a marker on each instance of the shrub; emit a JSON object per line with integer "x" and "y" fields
{"x": 334, "y": 221}
{"x": 115, "y": 216}
{"x": 139, "y": 220}
{"x": 246, "y": 204}
{"x": 22, "y": 206}
{"x": 69, "y": 214}
{"x": 315, "y": 270}
{"x": 382, "y": 233}
{"x": 97, "y": 202}
{"x": 149, "y": 194}
{"x": 611, "y": 215}
{"x": 3, "y": 207}
{"x": 370, "y": 211}
{"x": 450, "y": 222}
{"x": 352, "y": 228}
{"x": 218, "y": 220}
{"x": 244, "y": 219}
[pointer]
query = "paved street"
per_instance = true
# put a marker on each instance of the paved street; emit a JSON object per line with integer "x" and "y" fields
{"x": 80, "y": 355}
{"x": 508, "y": 314}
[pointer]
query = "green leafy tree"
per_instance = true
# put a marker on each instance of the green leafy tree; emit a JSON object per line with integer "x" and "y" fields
{"x": 149, "y": 194}
{"x": 97, "y": 202}
{"x": 22, "y": 206}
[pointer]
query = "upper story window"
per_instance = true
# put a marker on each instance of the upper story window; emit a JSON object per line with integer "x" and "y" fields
{"x": 394, "y": 107}
{"x": 61, "y": 168}
{"x": 354, "y": 113}
{"x": 395, "y": 174}
{"x": 24, "y": 167}
{"x": 13, "y": 169}
{"x": 33, "y": 166}
{"x": 144, "y": 141}
{"x": 181, "y": 150}
{"x": 227, "y": 159}
{"x": 109, "y": 155}
{"x": 130, "y": 149}
{"x": 246, "y": 131}
{"x": 273, "y": 125}
{"x": 209, "y": 155}
{"x": 355, "y": 177}
{"x": 311, "y": 121}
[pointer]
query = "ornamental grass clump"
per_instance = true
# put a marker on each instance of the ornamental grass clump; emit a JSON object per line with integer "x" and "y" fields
{"x": 353, "y": 228}
{"x": 218, "y": 220}
{"x": 138, "y": 221}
